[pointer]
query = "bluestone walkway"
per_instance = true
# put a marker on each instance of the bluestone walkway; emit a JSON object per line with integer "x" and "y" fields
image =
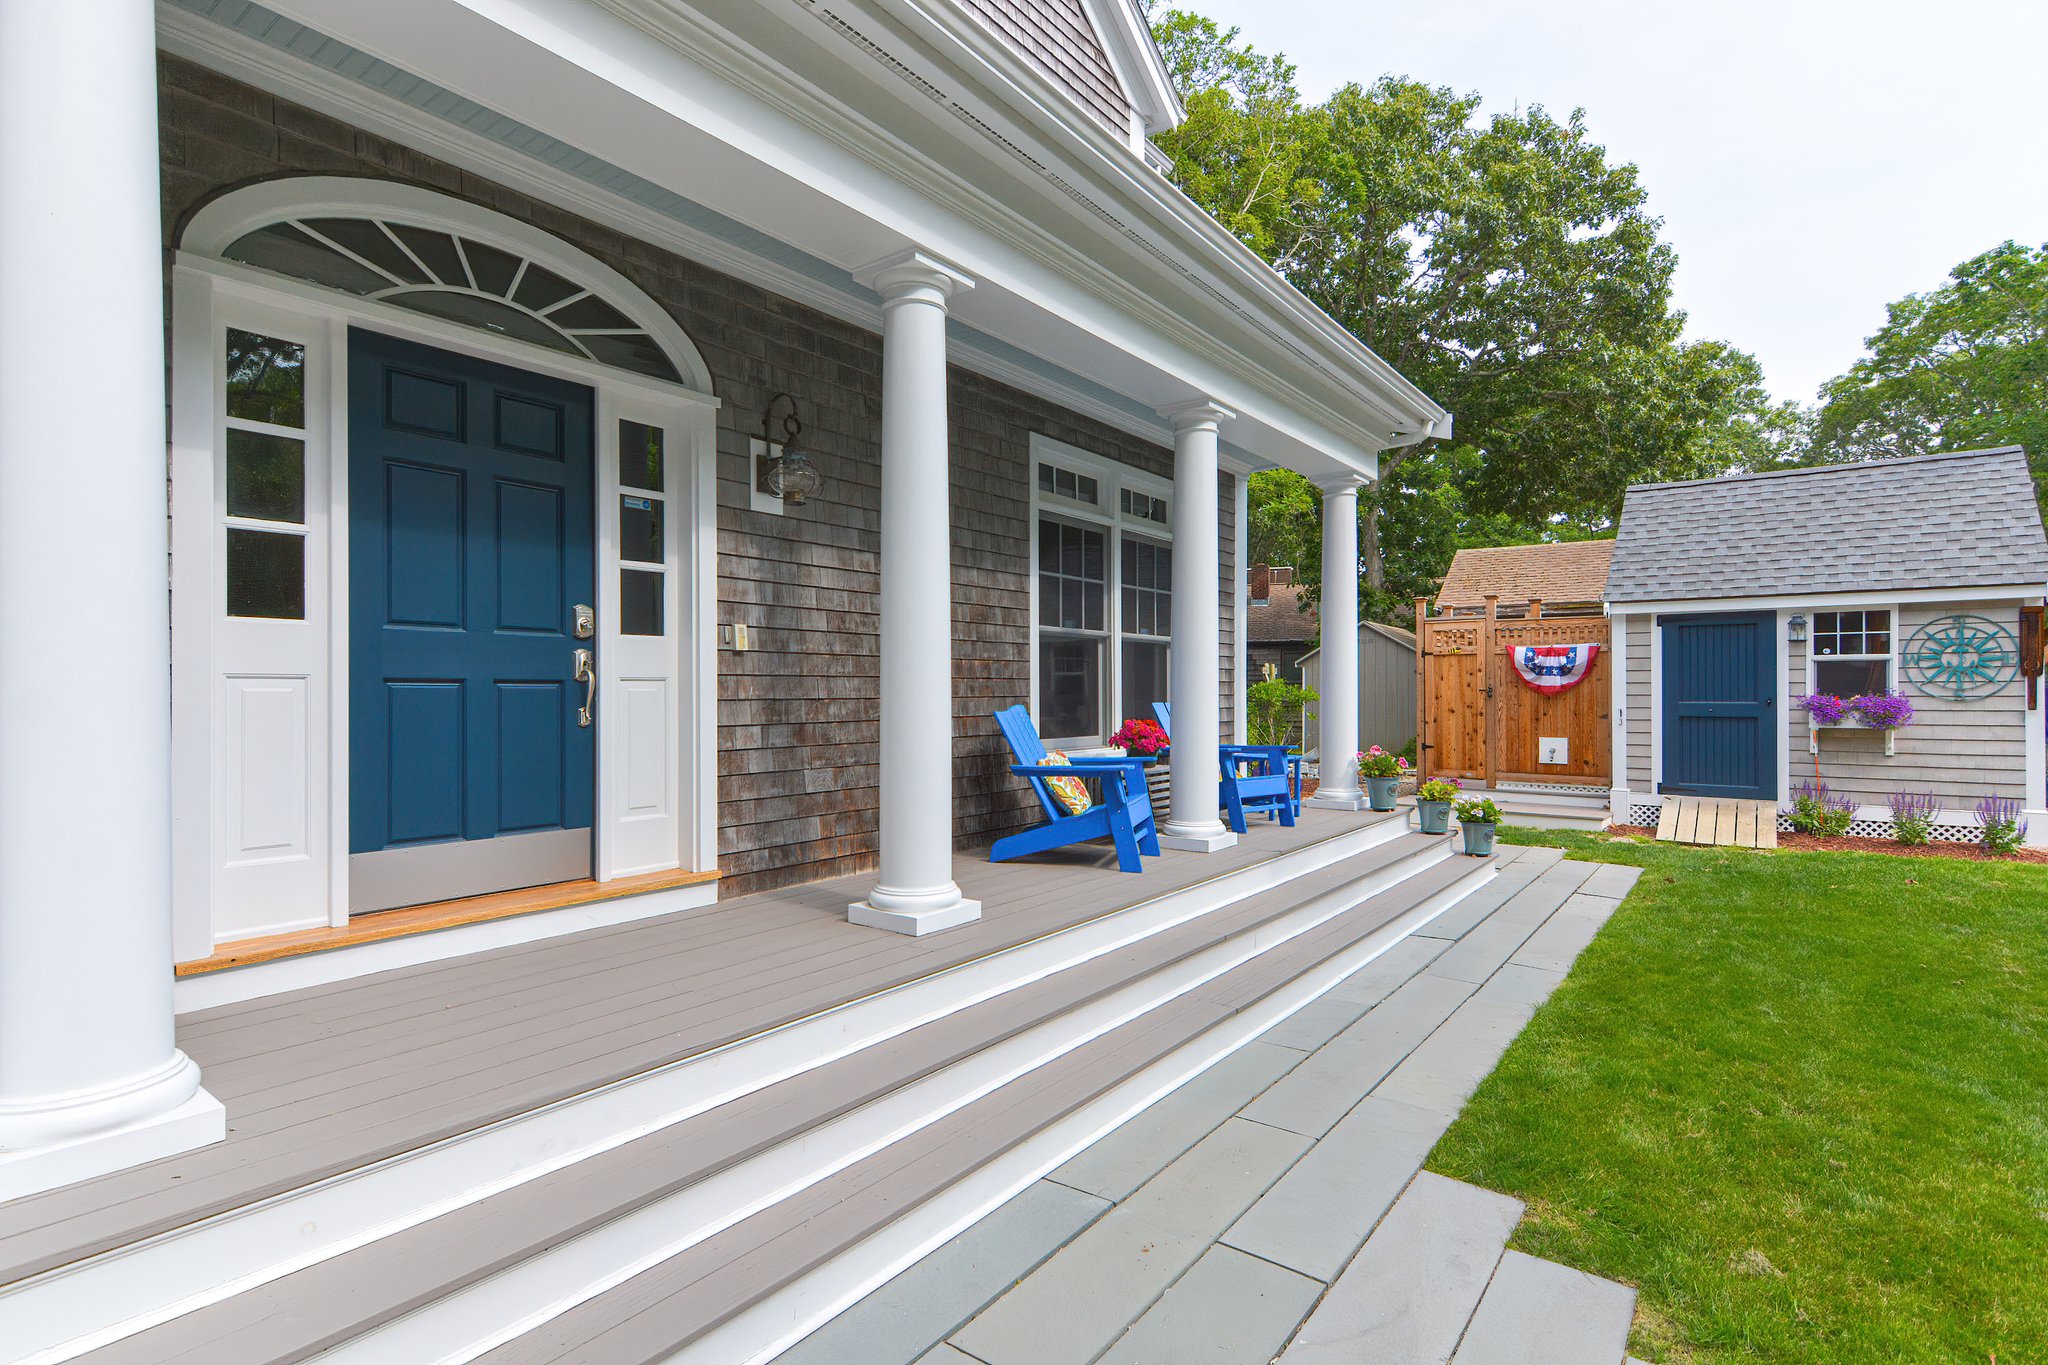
{"x": 1224, "y": 1225}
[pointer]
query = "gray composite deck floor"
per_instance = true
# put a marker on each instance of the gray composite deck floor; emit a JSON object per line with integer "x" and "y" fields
{"x": 330, "y": 1078}
{"x": 1251, "y": 1209}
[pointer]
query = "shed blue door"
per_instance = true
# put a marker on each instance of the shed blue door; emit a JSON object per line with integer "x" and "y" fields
{"x": 1720, "y": 705}
{"x": 471, "y": 520}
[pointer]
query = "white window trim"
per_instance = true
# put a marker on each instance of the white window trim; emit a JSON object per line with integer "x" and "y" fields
{"x": 210, "y": 295}
{"x": 1890, "y": 658}
{"x": 1111, "y": 478}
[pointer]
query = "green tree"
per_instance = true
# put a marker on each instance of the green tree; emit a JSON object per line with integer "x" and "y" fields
{"x": 1964, "y": 365}
{"x": 1501, "y": 263}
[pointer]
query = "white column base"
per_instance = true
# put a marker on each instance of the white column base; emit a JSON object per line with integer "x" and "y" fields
{"x": 199, "y": 1122}
{"x": 914, "y": 920}
{"x": 1325, "y": 799}
{"x": 2037, "y": 828}
{"x": 1619, "y": 800}
{"x": 1196, "y": 838}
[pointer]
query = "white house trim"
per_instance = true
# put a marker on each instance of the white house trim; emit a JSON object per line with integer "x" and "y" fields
{"x": 1656, "y": 625}
{"x": 215, "y": 294}
{"x": 1618, "y": 797}
{"x": 1830, "y": 601}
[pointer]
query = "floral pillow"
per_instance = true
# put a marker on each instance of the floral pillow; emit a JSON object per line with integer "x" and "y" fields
{"x": 1070, "y": 792}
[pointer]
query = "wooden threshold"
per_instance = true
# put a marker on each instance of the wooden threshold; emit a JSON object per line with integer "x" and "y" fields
{"x": 426, "y": 919}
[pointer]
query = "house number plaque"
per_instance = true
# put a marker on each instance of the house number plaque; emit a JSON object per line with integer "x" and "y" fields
{"x": 1962, "y": 657}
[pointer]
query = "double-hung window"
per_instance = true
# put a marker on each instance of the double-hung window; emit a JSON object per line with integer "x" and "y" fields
{"x": 1851, "y": 653}
{"x": 1104, "y": 590}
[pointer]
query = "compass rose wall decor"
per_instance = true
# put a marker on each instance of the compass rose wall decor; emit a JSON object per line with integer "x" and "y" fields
{"x": 1962, "y": 657}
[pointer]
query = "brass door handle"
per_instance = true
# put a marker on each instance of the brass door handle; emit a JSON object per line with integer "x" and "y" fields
{"x": 586, "y": 675}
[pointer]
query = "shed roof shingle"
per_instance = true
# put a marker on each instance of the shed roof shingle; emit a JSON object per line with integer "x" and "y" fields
{"x": 1281, "y": 619}
{"x": 1569, "y": 571}
{"x": 1967, "y": 519}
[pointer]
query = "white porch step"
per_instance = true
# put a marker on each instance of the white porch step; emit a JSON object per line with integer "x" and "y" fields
{"x": 739, "y": 1226}
{"x": 1539, "y": 810}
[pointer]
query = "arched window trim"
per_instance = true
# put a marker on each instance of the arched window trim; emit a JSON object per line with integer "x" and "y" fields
{"x": 296, "y": 199}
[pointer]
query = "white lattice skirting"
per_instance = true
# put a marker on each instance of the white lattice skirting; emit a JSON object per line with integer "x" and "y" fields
{"x": 1645, "y": 813}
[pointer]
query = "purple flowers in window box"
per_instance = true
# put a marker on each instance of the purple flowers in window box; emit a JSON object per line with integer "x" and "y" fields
{"x": 1877, "y": 711}
{"x": 1883, "y": 710}
{"x": 1823, "y": 709}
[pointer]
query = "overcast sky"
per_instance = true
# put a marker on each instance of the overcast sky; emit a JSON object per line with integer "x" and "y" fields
{"x": 1812, "y": 160}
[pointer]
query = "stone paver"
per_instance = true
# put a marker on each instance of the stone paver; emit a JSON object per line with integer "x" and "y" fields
{"x": 941, "y": 1354}
{"x": 1461, "y": 918}
{"x": 1444, "y": 1071}
{"x": 1409, "y": 1294}
{"x": 1142, "y": 1147}
{"x": 1312, "y": 1097}
{"x": 1516, "y": 984}
{"x": 1482, "y": 952}
{"x": 1230, "y": 1309}
{"x": 1565, "y": 934}
{"x": 1540, "y": 1313}
{"x": 1315, "y": 1216}
{"x": 1082, "y": 1299}
{"x": 1382, "y": 976}
{"x": 912, "y": 1313}
{"x": 1612, "y": 880}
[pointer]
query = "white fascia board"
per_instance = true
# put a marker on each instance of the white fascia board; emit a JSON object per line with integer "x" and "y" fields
{"x": 1829, "y": 601}
{"x": 1127, "y": 38}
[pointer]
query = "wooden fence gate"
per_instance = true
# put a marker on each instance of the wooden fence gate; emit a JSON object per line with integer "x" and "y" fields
{"x": 1480, "y": 722}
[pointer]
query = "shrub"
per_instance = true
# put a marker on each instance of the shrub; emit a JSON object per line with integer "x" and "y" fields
{"x": 1912, "y": 816}
{"x": 1478, "y": 812}
{"x": 1141, "y": 738}
{"x": 2004, "y": 831}
{"x": 1274, "y": 705}
{"x": 1816, "y": 810}
{"x": 1438, "y": 789}
{"x": 1377, "y": 762}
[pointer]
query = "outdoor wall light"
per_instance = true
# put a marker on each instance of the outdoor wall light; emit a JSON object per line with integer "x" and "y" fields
{"x": 1795, "y": 629}
{"x": 789, "y": 474}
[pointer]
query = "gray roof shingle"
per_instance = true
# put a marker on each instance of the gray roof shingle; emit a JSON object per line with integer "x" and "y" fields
{"x": 1967, "y": 519}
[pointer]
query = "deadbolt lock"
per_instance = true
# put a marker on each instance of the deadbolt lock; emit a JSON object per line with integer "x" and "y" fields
{"x": 586, "y": 621}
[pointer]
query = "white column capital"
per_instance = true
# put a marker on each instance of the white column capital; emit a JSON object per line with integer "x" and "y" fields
{"x": 914, "y": 274}
{"x": 1196, "y": 414}
{"x": 1347, "y": 482}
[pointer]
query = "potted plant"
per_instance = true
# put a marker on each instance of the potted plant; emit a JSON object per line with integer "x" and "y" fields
{"x": 1433, "y": 804}
{"x": 1477, "y": 820}
{"x": 1381, "y": 772}
{"x": 1139, "y": 738}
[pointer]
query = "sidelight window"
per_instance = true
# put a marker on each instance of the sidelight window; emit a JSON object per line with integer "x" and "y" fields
{"x": 265, "y": 524}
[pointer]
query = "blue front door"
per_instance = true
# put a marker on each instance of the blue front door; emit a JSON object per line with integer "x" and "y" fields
{"x": 1720, "y": 705}
{"x": 471, "y": 519}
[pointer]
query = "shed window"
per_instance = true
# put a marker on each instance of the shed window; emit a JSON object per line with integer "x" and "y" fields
{"x": 1852, "y": 652}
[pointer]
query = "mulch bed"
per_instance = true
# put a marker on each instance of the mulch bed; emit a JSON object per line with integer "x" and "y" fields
{"x": 1850, "y": 843}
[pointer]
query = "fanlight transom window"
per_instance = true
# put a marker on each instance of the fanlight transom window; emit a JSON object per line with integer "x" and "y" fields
{"x": 457, "y": 278}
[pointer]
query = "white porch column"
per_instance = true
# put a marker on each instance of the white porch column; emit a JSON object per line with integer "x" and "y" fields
{"x": 90, "y": 1075}
{"x": 916, "y": 893}
{"x": 1195, "y": 821}
{"x": 1338, "y": 708}
{"x": 1197, "y": 655}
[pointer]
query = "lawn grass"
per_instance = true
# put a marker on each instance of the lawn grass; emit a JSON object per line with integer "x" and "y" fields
{"x": 1799, "y": 1100}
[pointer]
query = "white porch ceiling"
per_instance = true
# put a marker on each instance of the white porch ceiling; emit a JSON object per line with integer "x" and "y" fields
{"x": 645, "y": 115}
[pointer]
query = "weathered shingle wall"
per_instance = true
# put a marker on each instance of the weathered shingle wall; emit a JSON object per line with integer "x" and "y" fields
{"x": 1057, "y": 36}
{"x": 797, "y": 714}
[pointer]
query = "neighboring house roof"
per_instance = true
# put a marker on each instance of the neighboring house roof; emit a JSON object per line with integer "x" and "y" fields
{"x": 1966, "y": 519}
{"x": 1280, "y": 619}
{"x": 1570, "y": 571}
{"x": 1404, "y": 638}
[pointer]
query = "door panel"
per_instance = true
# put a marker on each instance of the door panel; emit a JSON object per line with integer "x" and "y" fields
{"x": 1720, "y": 705}
{"x": 471, "y": 540}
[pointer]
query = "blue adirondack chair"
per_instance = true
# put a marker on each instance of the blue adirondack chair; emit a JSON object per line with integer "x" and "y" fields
{"x": 1124, "y": 814}
{"x": 1259, "y": 778}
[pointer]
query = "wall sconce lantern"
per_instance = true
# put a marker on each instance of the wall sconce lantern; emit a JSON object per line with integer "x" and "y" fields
{"x": 1795, "y": 629}
{"x": 785, "y": 471}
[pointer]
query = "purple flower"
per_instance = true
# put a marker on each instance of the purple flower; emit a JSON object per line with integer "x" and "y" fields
{"x": 2004, "y": 831}
{"x": 1883, "y": 710}
{"x": 1912, "y": 805}
{"x": 1824, "y": 709}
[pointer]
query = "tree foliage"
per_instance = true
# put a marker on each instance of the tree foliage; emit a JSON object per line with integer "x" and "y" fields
{"x": 1500, "y": 262}
{"x": 1962, "y": 366}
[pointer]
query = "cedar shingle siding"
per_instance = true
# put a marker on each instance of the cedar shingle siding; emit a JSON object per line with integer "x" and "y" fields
{"x": 798, "y": 732}
{"x": 1056, "y": 35}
